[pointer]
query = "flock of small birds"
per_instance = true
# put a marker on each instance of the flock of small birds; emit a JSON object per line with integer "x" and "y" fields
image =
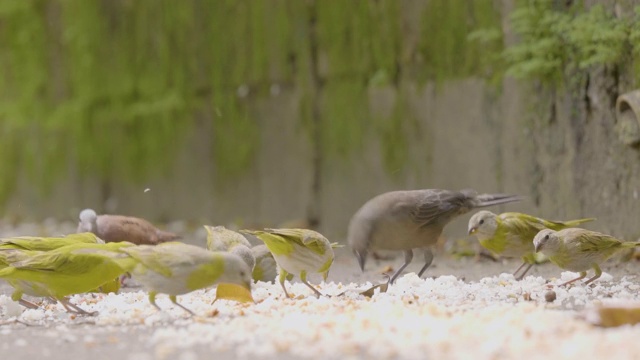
{"x": 107, "y": 249}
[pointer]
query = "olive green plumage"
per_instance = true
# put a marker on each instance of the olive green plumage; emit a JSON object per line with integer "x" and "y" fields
{"x": 298, "y": 252}
{"x": 48, "y": 243}
{"x": 579, "y": 250}
{"x": 176, "y": 268}
{"x": 220, "y": 238}
{"x": 511, "y": 234}
{"x": 64, "y": 271}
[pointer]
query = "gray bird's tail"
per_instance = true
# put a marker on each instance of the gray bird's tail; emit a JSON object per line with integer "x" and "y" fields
{"x": 165, "y": 236}
{"x": 484, "y": 200}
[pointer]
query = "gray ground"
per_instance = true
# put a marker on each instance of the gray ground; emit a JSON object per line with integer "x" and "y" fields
{"x": 19, "y": 341}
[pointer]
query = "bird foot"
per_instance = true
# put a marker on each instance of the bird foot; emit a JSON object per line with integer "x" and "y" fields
{"x": 75, "y": 309}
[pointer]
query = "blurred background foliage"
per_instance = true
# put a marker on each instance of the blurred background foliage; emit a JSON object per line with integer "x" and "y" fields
{"x": 111, "y": 87}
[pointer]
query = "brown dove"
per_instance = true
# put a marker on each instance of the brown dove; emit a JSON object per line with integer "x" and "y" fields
{"x": 115, "y": 228}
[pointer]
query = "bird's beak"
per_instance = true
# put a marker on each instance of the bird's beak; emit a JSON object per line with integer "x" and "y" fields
{"x": 537, "y": 247}
{"x": 472, "y": 230}
{"x": 239, "y": 293}
{"x": 362, "y": 258}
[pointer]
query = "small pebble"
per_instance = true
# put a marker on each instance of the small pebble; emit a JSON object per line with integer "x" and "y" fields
{"x": 550, "y": 296}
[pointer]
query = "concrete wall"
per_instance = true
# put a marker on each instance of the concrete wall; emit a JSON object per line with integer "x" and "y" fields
{"x": 567, "y": 159}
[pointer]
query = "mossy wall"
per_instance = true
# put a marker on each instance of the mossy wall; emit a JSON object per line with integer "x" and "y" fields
{"x": 266, "y": 111}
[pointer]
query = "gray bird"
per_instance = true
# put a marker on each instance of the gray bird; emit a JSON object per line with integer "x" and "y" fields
{"x": 406, "y": 220}
{"x": 115, "y": 228}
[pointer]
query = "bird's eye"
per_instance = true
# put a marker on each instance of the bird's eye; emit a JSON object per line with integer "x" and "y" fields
{"x": 481, "y": 221}
{"x": 546, "y": 237}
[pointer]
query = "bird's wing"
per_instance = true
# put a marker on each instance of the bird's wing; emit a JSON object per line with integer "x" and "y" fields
{"x": 115, "y": 228}
{"x": 150, "y": 256}
{"x": 59, "y": 262}
{"x": 9, "y": 256}
{"x": 524, "y": 225}
{"x": 439, "y": 206}
{"x": 48, "y": 243}
{"x": 214, "y": 243}
{"x": 31, "y": 243}
{"x": 595, "y": 242}
{"x": 122, "y": 259}
{"x": 276, "y": 243}
{"x": 309, "y": 239}
{"x": 220, "y": 238}
{"x": 84, "y": 237}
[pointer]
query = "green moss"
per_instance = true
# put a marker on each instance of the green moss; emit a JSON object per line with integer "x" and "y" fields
{"x": 394, "y": 133}
{"x": 360, "y": 42}
{"x": 346, "y": 118}
{"x": 444, "y": 47}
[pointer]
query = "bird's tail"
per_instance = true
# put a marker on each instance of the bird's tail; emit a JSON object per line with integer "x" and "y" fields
{"x": 484, "y": 200}
{"x": 630, "y": 244}
{"x": 573, "y": 223}
{"x": 165, "y": 236}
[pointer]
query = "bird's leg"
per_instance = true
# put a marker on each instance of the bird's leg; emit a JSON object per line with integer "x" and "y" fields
{"x": 428, "y": 259}
{"x": 303, "y": 278}
{"x": 583, "y": 274}
{"x": 408, "y": 256}
{"x": 174, "y": 300}
{"x": 152, "y": 300}
{"x": 51, "y": 299}
{"x": 75, "y": 309}
{"x": 598, "y": 271}
{"x": 281, "y": 277}
{"x": 524, "y": 272}
{"x": 17, "y": 296}
{"x": 27, "y": 304}
{"x": 123, "y": 280}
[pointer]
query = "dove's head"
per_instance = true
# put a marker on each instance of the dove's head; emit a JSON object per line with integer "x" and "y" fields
{"x": 88, "y": 219}
{"x": 546, "y": 241}
{"x": 88, "y": 216}
{"x": 483, "y": 224}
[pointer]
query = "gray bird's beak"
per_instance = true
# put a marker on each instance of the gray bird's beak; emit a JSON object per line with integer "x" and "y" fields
{"x": 362, "y": 258}
{"x": 472, "y": 230}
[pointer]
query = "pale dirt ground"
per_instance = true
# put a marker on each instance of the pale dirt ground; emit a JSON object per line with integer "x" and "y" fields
{"x": 83, "y": 341}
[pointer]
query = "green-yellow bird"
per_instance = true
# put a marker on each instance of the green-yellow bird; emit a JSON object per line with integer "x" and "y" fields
{"x": 219, "y": 238}
{"x": 176, "y": 268}
{"x": 579, "y": 250}
{"x": 511, "y": 234}
{"x": 71, "y": 269}
{"x": 298, "y": 252}
{"x": 36, "y": 243}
